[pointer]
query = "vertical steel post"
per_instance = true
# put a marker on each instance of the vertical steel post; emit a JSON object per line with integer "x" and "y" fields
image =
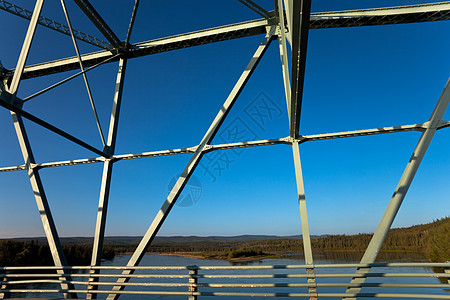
{"x": 402, "y": 188}
{"x": 106, "y": 177}
{"x": 3, "y": 286}
{"x": 296, "y": 153}
{"x": 284, "y": 58}
{"x": 447, "y": 271}
{"x": 193, "y": 162}
{"x": 2, "y": 81}
{"x": 307, "y": 249}
{"x": 33, "y": 174}
{"x": 193, "y": 272}
{"x": 299, "y": 33}
{"x": 288, "y": 4}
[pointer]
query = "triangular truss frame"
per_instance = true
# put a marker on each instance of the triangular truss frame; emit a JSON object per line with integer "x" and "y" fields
{"x": 289, "y": 22}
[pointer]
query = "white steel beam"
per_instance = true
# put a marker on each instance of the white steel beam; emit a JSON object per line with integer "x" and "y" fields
{"x": 26, "y": 14}
{"x": 391, "y": 211}
{"x": 438, "y": 7}
{"x": 287, "y": 140}
{"x": 427, "y": 12}
{"x": 67, "y": 79}
{"x": 299, "y": 41}
{"x": 35, "y": 180}
{"x": 14, "y": 85}
{"x": 364, "y": 17}
{"x": 193, "y": 162}
{"x": 307, "y": 249}
{"x": 133, "y": 17}
{"x": 364, "y": 132}
{"x": 256, "y": 8}
{"x": 175, "y": 42}
{"x": 41, "y": 201}
{"x": 98, "y": 21}
{"x": 249, "y": 144}
{"x": 283, "y": 56}
{"x": 289, "y": 17}
{"x": 86, "y": 82}
{"x": 306, "y": 239}
{"x": 55, "y": 164}
{"x": 34, "y": 119}
{"x": 100, "y": 224}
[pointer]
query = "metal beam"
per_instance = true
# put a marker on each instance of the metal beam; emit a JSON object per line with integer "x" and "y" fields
{"x": 133, "y": 17}
{"x": 50, "y": 127}
{"x": 364, "y": 17}
{"x": 364, "y": 132}
{"x": 2, "y": 84}
{"x": 193, "y": 162}
{"x": 307, "y": 249}
{"x": 35, "y": 180}
{"x": 14, "y": 85}
{"x": 160, "y": 45}
{"x": 385, "y": 224}
{"x": 209, "y": 148}
{"x": 256, "y": 8}
{"x": 100, "y": 224}
{"x": 73, "y": 162}
{"x": 283, "y": 56}
{"x": 288, "y": 13}
{"x": 428, "y": 12}
{"x": 98, "y": 21}
{"x": 41, "y": 201}
{"x": 249, "y": 144}
{"x": 26, "y": 14}
{"x": 66, "y": 79}
{"x": 86, "y": 82}
{"x": 65, "y": 64}
{"x": 299, "y": 41}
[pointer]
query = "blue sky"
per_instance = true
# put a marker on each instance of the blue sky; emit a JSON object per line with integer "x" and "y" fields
{"x": 356, "y": 78}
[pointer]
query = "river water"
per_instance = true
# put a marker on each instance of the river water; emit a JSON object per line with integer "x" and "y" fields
{"x": 324, "y": 258}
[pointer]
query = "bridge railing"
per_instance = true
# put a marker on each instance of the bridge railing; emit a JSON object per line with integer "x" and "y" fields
{"x": 409, "y": 280}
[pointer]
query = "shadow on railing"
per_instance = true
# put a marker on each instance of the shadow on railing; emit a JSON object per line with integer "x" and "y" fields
{"x": 384, "y": 280}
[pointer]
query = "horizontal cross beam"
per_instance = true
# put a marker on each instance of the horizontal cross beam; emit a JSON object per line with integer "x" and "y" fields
{"x": 364, "y": 17}
{"x": 287, "y": 140}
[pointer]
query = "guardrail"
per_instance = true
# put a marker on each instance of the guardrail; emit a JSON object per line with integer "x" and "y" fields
{"x": 413, "y": 280}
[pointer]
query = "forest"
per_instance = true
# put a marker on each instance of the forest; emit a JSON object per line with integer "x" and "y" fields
{"x": 31, "y": 253}
{"x": 432, "y": 240}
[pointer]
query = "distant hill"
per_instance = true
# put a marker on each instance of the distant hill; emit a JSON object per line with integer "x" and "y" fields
{"x": 131, "y": 240}
{"x": 433, "y": 239}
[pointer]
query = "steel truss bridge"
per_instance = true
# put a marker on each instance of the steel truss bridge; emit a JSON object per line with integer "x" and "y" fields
{"x": 287, "y": 24}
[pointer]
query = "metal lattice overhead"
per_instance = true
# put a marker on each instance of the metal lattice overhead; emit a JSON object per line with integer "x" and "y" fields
{"x": 289, "y": 23}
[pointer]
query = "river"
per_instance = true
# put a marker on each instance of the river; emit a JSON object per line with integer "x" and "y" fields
{"x": 324, "y": 258}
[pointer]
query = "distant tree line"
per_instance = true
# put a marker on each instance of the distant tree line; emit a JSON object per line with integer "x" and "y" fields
{"x": 245, "y": 252}
{"x": 18, "y": 253}
{"x": 433, "y": 240}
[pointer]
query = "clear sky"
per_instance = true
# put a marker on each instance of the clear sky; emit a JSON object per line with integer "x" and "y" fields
{"x": 356, "y": 78}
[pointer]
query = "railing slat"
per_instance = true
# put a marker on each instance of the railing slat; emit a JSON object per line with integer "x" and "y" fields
{"x": 195, "y": 278}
